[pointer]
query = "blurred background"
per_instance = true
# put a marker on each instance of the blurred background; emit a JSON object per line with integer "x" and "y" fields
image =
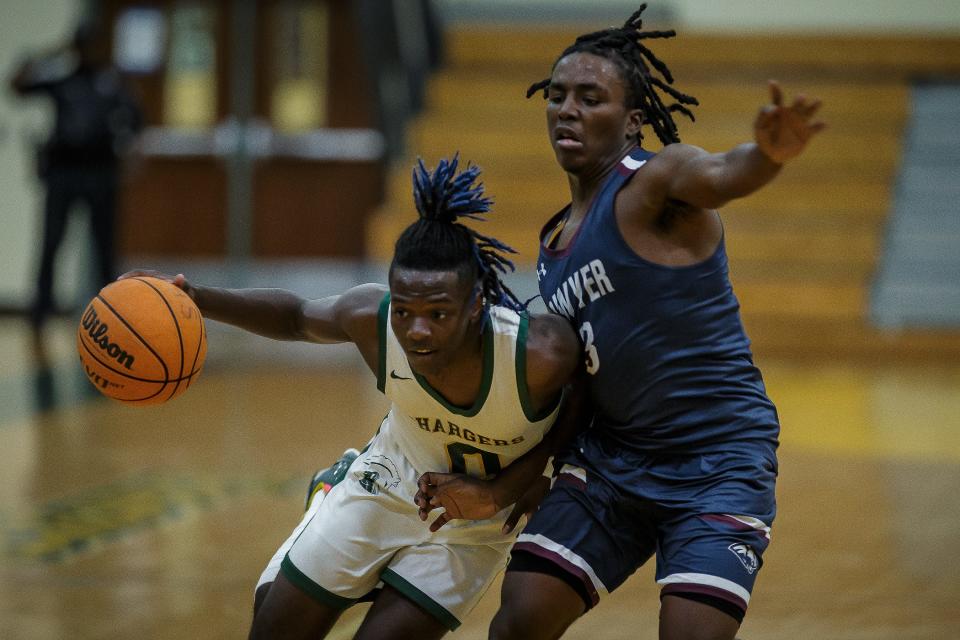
{"x": 274, "y": 146}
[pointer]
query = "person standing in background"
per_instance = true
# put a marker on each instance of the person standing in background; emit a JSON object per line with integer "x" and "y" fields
{"x": 96, "y": 119}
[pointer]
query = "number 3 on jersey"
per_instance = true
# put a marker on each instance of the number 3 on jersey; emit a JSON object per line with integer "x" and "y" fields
{"x": 589, "y": 349}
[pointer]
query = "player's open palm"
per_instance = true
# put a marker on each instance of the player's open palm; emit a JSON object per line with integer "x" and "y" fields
{"x": 782, "y": 132}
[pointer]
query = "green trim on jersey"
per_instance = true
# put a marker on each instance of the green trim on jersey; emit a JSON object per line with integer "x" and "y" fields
{"x": 522, "y": 389}
{"x": 382, "y": 319}
{"x": 468, "y": 412}
{"x": 312, "y": 589}
{"x": 418, "y": 597}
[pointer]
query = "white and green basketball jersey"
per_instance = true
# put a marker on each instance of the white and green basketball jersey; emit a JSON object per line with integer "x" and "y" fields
{"x": 479, "y": 440}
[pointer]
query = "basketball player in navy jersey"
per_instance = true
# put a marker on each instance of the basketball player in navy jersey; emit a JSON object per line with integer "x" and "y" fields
{"x": 680, "y": 461}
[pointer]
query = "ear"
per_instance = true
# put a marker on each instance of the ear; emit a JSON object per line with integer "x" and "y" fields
{"x": 635, "y": 121}
{"x": 476, "y": 304}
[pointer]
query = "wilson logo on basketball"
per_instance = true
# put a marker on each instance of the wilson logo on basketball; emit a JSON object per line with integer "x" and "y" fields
{"x": 97, "y": 330}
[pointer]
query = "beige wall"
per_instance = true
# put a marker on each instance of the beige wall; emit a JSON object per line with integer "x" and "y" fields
{"x": 28, "y": 26}
{"x": 747, "y": 15}
{"x": 821, "y": 15}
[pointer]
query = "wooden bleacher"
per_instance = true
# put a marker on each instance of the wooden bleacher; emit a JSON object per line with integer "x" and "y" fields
{"x": 803, "y": 250}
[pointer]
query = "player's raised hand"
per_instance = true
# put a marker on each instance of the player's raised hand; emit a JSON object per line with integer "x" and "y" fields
{"x": 459, "y": 495}
{"x": 782, "y": 132}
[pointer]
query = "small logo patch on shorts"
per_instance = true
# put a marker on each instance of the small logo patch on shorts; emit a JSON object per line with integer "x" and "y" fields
{"x": 379, "y": 473}
{"x": 746, "y": 556}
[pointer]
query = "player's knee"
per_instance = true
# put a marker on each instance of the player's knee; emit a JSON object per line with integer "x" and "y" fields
{"x": 525, "y": 623}
{"x": 695, "y": 617}
{"x": 507, "y": 625}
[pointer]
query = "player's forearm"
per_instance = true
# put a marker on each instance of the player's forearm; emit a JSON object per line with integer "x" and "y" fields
{"x": 516, "y": 478}
{"x": 709, "y": 181}
{"x": 273, "y": 313}
{"x": 745, "y": 169}
{"x": 575, "y": 414}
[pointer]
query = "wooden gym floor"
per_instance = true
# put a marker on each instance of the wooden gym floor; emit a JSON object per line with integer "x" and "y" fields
{"x": 118, "y": 522}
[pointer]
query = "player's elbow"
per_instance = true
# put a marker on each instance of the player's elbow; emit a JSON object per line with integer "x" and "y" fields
{"x": 297, "y": 324}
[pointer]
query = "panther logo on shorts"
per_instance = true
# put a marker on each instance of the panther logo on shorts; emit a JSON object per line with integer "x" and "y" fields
{"x": 379, "y": 474}
{"x": 746, "y": 556}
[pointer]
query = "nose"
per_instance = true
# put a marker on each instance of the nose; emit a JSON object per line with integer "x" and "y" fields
{"x": 568, "y": 108}
{"x": 418, "y": 330}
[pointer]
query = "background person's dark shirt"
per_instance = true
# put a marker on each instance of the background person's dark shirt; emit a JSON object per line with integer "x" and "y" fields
{"x": 95, "y": 119}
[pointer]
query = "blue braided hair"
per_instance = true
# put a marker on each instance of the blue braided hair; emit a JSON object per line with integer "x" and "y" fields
{"x": 439, "y": 240}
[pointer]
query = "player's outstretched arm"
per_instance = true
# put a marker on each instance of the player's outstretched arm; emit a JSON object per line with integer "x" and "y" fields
{"x": 709, "y": 180}
{"x": 283, "y": 315}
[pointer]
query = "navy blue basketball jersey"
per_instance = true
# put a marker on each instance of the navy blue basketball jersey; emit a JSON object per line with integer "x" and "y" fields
{"x": 671, "y": 367}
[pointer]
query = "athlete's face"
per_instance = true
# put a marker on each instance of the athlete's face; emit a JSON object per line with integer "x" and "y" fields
{"x": 588, "y": 120}
{"x": 434, "y": 316}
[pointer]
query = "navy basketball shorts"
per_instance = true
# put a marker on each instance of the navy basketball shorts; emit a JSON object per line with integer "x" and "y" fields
{"x": 597, "y": 536}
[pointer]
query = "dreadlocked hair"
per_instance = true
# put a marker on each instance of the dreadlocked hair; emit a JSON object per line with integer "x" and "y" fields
{"x": 440, "y": 241}
{"x": 624, "y": 47}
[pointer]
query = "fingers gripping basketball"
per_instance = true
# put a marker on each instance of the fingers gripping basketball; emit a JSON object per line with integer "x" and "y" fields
{"x": 142, "y": 341}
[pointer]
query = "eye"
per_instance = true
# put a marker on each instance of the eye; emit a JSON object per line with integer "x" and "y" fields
{"x": 590, "y": 101}
{"x": 439, "y": 315}
{"x": 555, "y": 98}
{"x": 400, "y": 313}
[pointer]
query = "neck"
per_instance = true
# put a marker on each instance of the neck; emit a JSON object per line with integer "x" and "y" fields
{"x": 464, "y": 366}
{"x": 460, "y": 380}
{"x": 584, "y": 185}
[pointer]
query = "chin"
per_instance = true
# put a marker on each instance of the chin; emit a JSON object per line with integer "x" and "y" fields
{"x": 570, "y": 164}
{"x": 427, "y": 366}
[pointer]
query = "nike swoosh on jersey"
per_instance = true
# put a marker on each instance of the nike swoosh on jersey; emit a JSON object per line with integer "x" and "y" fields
{"x": 393, "y": 374}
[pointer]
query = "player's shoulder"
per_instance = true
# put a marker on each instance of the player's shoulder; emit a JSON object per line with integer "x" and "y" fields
{"x": 552, "y": 345}
{"x": 671, "y": 156}
{"x": 360, "y": 305}
{"x": 550, "y": 325}
{"x": 648, "y": 189}
{"x": 365, "y": 297}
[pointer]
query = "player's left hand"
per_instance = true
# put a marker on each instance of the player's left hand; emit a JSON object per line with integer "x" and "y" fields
{"x": 783, "y": 132}
{"x": 178, "y": 280}
{"x": 460, "y": 496}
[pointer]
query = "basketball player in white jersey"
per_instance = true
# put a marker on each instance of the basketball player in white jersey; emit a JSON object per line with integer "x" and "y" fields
{"x": 474, "y": 383}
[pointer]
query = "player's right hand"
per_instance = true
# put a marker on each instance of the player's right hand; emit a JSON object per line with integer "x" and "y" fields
{"x": 782, "y": 132}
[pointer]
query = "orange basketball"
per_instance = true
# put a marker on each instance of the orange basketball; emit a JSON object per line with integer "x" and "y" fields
{"x": 142, "y": 341}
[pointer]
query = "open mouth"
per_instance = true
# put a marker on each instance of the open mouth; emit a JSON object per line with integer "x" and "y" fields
{"x": 419, "y": 353}
{"x": 567, "y": 138}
